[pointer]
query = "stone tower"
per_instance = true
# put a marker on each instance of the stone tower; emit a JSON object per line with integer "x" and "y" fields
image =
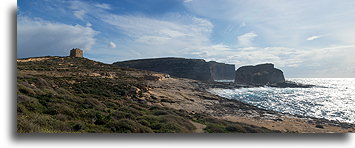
{"x": 76, "y": 53}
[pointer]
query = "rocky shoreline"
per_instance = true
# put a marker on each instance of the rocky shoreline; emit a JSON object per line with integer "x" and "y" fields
{"x": 193, "y": 96}
{"x": 287, "y": 84}
{"x": 230, "y": 105}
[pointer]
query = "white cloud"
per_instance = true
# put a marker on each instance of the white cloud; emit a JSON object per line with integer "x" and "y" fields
{"x": 81, "y": 8}
{"x": 36, "y": 37}
{"x": 311, "y": 38}
{"x": 79, "y": 14}
{"x": 103, "y": 6}
{"x": 88, "y": 24}
{"x": 172, "y": 35}
{"x": 170, "y": 26}
{"x": 187, "y": 1}
{"x": 112, "y": 45}
{"x": 243, "y": 24}
{"x": 285, "y": 23}
{"x": 333, "y": 61}
{"x": 246, "y": 39}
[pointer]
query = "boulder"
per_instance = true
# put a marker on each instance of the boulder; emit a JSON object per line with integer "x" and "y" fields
{"x": 263, "y": 74}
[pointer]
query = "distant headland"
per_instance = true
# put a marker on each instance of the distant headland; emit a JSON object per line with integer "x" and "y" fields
{"x": 199, "y": 69}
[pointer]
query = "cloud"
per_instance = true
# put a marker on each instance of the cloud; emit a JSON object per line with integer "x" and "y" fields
{"x": 246, "y": 39}
{"x": 37, "y": 37}
{"x": 79, "y": 14}
{"x": 333, "y": 61}
{"x": 88, "y": 24}
{"x": 285, "y": 23}
{"x": 171, "y": 35}
{"x": 103, "y": 6}
{"x": 284, "y": 31}
{"x": 311, "y": 38}
{"x": 187, "y": 1}
{"x": 112, "y": 45}
{"x": 170, "y": 26}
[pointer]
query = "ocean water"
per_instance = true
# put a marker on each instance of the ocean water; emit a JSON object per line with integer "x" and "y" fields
{"x": 332, "y": 98}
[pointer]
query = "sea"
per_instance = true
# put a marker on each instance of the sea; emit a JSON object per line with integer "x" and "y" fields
{"x": 331, "y": 98}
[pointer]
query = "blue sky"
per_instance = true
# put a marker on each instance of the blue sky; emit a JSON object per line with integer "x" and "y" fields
{"x": 303, "y": 38}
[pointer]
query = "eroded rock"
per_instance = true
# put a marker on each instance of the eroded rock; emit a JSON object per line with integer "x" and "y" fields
{"x": 263, "y": 74}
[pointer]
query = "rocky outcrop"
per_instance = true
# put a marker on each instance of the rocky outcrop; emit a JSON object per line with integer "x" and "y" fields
{"x": 221, "y": 71}
{"x": 263, "y": 74}
{"x": 196, "y": 69}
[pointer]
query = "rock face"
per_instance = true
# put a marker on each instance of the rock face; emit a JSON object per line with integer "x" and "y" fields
{"x": 263, "y": 74}
{"x": 196, "y": 69}
{"x": 221, "y": 71}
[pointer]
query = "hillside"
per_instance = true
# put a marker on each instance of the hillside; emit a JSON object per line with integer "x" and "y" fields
{"x": 78, "y": 95}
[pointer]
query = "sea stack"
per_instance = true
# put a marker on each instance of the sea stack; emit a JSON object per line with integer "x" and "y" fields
{"x": 262, "y": 74}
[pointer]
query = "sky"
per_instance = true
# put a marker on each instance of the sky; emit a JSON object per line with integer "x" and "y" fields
{"x": 302, "y": 38}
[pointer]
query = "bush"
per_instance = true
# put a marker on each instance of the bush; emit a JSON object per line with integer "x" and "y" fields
{"x": 128, "y": 126}
{"x": 150, "y": 121}
{"x": 39, "y": 123}
{"x": 32, "y": 105}
{"x": 215, "y": 128}
{"x": 160, "y": 112}
{"x": 78, "y": 127}
{"x": 236, "y": 128}
{"x": 184, "y": 125}
{"x": 26, "y": 90}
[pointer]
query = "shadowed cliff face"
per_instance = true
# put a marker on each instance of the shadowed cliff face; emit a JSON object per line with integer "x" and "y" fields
{"x": 259, "y": 75}
{"x": 196, "y": 69}
{"x": 221, "y": 71}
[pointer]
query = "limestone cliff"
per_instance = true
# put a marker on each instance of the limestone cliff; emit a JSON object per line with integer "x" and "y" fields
{"x": 196, "y": 69}
{"x": 221, "y": 71}
{"x": 262, "y": 74}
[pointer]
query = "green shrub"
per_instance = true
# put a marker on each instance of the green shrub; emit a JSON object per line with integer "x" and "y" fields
{"x": 122, "y": 115}
{"x": 32, "y": 105}
{"x": 183, "y": 124}
{"x": 150, "y": 121}
{"x": 78, "y": 126}
{"x": 128, "y": 126}
{"x": 26, "y": 90}
{"x": 236, "y": 128}
{"x": 39, "y": 123}
{"x": 215, "y": 128}
{"x": 160, "y": 112}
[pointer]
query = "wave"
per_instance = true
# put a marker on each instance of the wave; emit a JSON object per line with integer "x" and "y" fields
{"x": 333, "y": 100}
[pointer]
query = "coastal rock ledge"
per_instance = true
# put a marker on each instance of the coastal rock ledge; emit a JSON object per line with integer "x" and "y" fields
{"x": 262, "y": 74}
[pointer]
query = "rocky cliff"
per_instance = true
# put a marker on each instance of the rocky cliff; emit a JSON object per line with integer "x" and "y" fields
{"x": 221, "y": 71}
{"x": 262, "y": 74}
{"x": 196, "y": 69}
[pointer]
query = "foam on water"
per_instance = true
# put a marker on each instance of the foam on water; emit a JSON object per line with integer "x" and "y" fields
{"x": 333, "y": 99}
